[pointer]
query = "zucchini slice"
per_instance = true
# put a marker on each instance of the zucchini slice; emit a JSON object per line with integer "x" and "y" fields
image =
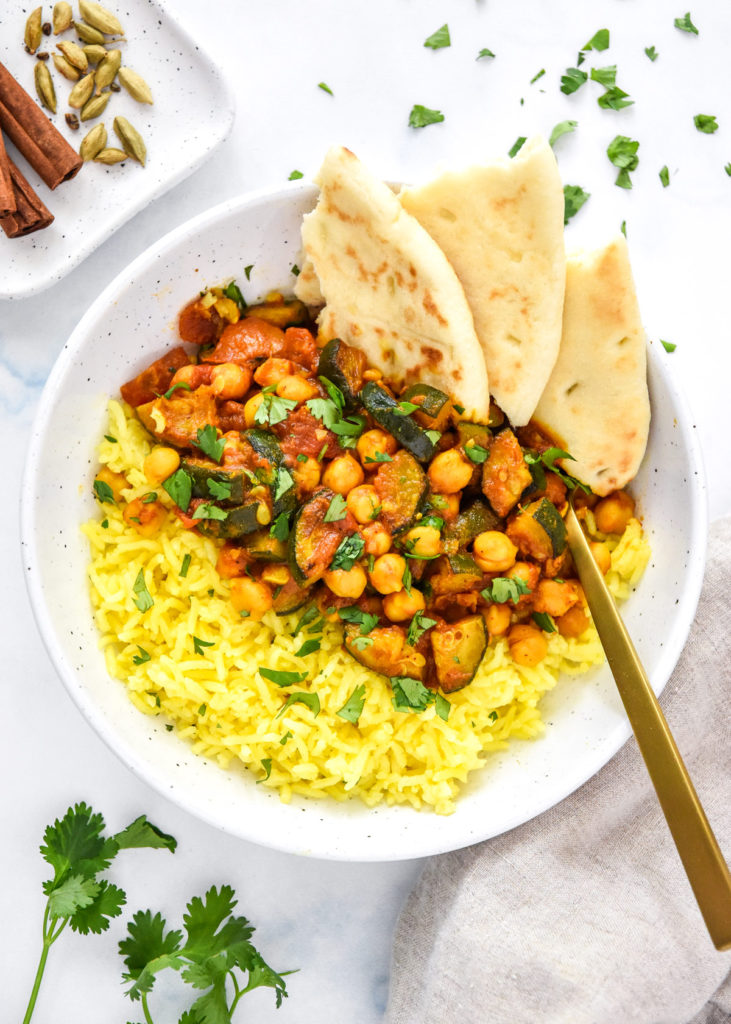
{"x": 344, "y": 366}
{"x": 455, "y": 574}
{"x": 265, "y": 548}
{"x": 289, "y": 597}
{"x": 505, "y": 474}
{"x": 281, "y": 313}
{"x": 312, "y": 541}
{"x": 458, "y": 650}
{"x": 477, "y": 433}
{"x": 384, "y": 650}
{"x": 239, "y": 522}
{"x": 476, "y": 518}
{"x": 202, "y": 470}
{"x": 538, "y": 531}
{"x": 388, "y": 414}
{"x": 269, "y": 463}
{"x": 402, "y": 488}
{"x": 429, "y": 399}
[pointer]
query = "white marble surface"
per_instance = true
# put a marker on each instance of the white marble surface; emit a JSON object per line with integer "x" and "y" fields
{"x": 335, "y": 921}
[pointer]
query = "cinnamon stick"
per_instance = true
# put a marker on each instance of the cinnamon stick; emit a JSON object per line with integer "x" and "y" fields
{"x": 42, "y": 145}
{"x": 30, "y": 213}
{"x": 7, "y": 193}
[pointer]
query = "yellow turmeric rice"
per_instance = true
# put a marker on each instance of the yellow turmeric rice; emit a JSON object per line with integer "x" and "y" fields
{"x": 216, "y": 699}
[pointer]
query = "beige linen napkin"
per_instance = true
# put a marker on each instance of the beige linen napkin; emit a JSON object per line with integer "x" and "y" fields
{"x": 584, "y": 915}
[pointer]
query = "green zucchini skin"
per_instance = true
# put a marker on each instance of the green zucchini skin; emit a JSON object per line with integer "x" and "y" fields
{"x": 458, "y": 649}
{"x": 266, "y": 548}
{"x": 477, "y": 517}
{"x": 201, "y": 471}
{"x": 432, "y": 399}
{"x": 539, "y": 530}
{"x": 312, "y": 541}
{"x": 344, "y": 367}
{"x": 266, "y": 447}
{"x": 387, "y": 653}
{"x": 239, "y": 522}
{"x": 403, "y": 489}
{"x": 386, "y": 412}
{"x": 290, "y": 598}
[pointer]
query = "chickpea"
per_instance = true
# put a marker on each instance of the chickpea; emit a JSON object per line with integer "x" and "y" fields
{"x": 363, "y": 502}
{"x": 528, "y": 646}
{"x": 497, "y": 619}
{"x": 232, "y": 561}
{"x": 229, "y": 380}
{"x": 343, "y": 474}
{"x": 573, "y": 622}
{"x": 387, "y": 574}
{"x": 306, "y": 474}
{"x": 372, "y": 374}
{"x": 553, "y": 597}
{"x": 377, "y": 539}
{"x": 446, "y": 506}
{"x": 296, "y": 389}
{"x": 449, "y": 471}
{"x": 116, "y": 481}
{"x": 144, "y": 517}
{"x": 602, "y": 556}
{"x": 277, "y": 575}
{"x": 494, "y": 551}
{"x": 347, "y": 582}
{"x": 160, "y": 464}
{"x": 273, "y": 370}
{"x": 250, "y": 596}
{"x": 425, "y": 541}
{"x": 373, "y": 441}
{"x": 401, "y": 606}
{"x": 614, "y": 512}
{"x": 187, "y": 375}
{"x": 250, "y": 409}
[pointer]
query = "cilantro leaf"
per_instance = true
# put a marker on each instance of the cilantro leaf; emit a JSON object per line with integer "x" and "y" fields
{"x": 442, "y": 706}
{"x": 706, "y": 123}
{"x": 208, "y": 511}
{"x": 180, "y": 488}
{"x": 273, "y": 409}
{"x": 180, "y": 386}
{"x": 615, "y": 99}
{"x": 365, "y": 620}
{"x": 307, "y": 617}
{"x": 295, "y": 175}
{"x": 727, "y": 169}
{"x": 538, "y": 75}
{"x": 562, "y": 128}
{"x": 484, "y": 52}
{"x": 199, "y": 645}
{"x": 502, "y": 589}
{"x": 324, "y": 409}
{"x": 379, "y": 457}
{"x": 310, "y": 700}
{"x": 685, "y": 24}
{"x": 410, "y": 694}
{"x": 664, "y": 176}
{"x": 652, "y": 53}
{"x": 209, "y": 442}
{"x": 325, "y": 88}
{"x": 74, "y": 893}
{"x": 574, "y": 198}
{"x": 599, "y": 41}
{"x": 247, "y": 271}
{"x": 439, "y": 39}
{"x": 475, "y": 453}
{"x": 417, "y": 627}
{"x": 669, "y": 346}
{"x": 421, "y": 116}
{"x": 285, "y": 482}
{"x": 148, "y": 949}
{"x": 220, "y": 489}
{"x": 266, "y": 763}
{"x": 353, "y": 707}
{"x": 572, "y": 79}
{"x": 142, "y": 657}
{"x": 348, "y": 552}
{"x": 141, "y": 833}
{"x": 144, "y": 600}
{"x": 94, "y": 916}
{"x": 280, "y": 527}
{"x": 605, "y": 76}
{"x": 282, "y": 678}
{"x": 517, "y": 146}
{"x": 308, "y": 647}
{"x": 544, "y": 621}
{"x": 337, "y": 509}
{"x": 233, "y": 292}
{"x": 103, "y": 492}
{"x": 622, "y": 152}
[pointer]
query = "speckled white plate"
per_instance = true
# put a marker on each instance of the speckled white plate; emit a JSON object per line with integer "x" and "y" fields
{"x": 134, "y": 321}
{"x": 192, "y": 114}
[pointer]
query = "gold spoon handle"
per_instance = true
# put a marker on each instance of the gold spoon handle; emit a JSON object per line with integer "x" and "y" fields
{"x": 699, "y": 851}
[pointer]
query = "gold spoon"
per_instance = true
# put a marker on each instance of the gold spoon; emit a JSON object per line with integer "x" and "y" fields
{"x": 699, "y": 851}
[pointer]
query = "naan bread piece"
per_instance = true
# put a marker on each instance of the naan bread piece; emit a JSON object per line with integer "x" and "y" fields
{"x": 388, "y": 288}
{"x": 501, "y": 228}
{"x": 596, "y": 403}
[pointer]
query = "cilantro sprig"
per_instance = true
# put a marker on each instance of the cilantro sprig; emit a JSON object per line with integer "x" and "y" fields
{"x": 79, "y": 852}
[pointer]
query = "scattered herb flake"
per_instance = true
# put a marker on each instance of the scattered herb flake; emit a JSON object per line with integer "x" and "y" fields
{"x": 307, "y": 616}
{"x": 143, "y": 600}
{"x": 664, "y": 176}
{"x": 220, "y": 489}
{"x": 310, "y": 700}
{"x": 105, "y": 524}
{"x": 484, "y": 52}
{"x": 685, "y": 24}
{"x": 142, "y": 657}
{"x": 295, "y": 175}
{"x": 605, "y": 76}
{"x": 706, "y": 123}
{"x": 199, "y": 645}
{"x": 209, "y": 442}
{"x": 574, "y": 198}
{"x": 623, "y": 228}
{"x": 615, "y": 99}
{"x": 348, "y": 552}
{"x": 439, "y": 39}
{"x": 285, "y": 482}
{"x": 562, "y": 128}
{"x": 669, "y": 346}
{"x": 442, "y": 706}
{"x": 287, "y": 736}
{"x": 266, "y": 763}
{"x": 379, "y": 457}
{"x": 517, "y": 146}
{"x": 493, "y": 716}
{"x": 337, "y": 509}
{"x": 308, "y": 647}
{"x": 181, "y": 385}
{"x": 282, "y": 678}
{"x": 622, "y": 152}
{"x": 273, "y": 409}
{"x": 208, "y": 511}
{"x": 280, "y": 527}
{"x": 501, "y": 590}
{"x": 572, "y": 79}
{"x": 112, "y": 440}
{"x": 406, "y": 408}
{"x": 295, "y": 270}
{"x": 365, "y": 620}
{"x": 325, "y": 88}
{"x": 202, "y": 709}
{"x": 104, "y": 492}
{"x": 475, "y": 453}
{"x": 185, "y": 565}
{"x": 353, "y": 707}
{"x": 599, "y": 41}
{"x": 421, "y": 116}
{"x": 544, "y": 621}
{"x": 233, "y": 292}
{"x": 406, "y": 579}
{"x": 727, "y": 169}
{"x": 540, "y": 74}
{"x": 247, "y": 271}
{"x": 652, "y": 53}
{"x": 410, "y": 694}
{"x": 417, "y": 627}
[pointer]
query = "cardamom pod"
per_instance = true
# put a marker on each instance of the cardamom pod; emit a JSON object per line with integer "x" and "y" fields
{"x": 99, "y": 17}
{"x": 74, "y": 55}
{"x": 63, "y": 17}
{"x": 87, "y": 34}
{"x": 66, "y": 69}
{"x": 132, "y": 142}
{"x": 82, "y": 91}
{"x": 32, "y": 35}
{"x": 94, "y": 52}
{"x": 111, "y": 156}
{"x": 135, "y": 85}
{"x": 107, "y": 70}
{"x": 94, "y": 107}
{"x": 44, "y": 86}
{"x": 93, "y": 142}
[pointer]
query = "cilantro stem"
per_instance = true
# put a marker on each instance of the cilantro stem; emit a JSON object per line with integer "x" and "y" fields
{"x": 49, "y": 937}
{"x": 146, "y": 1009}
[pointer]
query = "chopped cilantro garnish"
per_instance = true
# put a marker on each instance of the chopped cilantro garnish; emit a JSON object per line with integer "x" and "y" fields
{"x": 105, "y": 524}
{"x": 669, "y": 346}
{"x": 572, "y": 79}
{"x": 406, "y": 408}
{"x": 280, "y": 527}
{"x": 664, "y": 176}
{"x": 266, "y": 763}
{"x": 706, "y": 123}
{"x": 233, "y": 292}
{"x": 295, "y": 175}
{"x": 148, "y": 498}
{"x": 517, "y": 146}
{"x": 652, "y": 53}
{"x": 599, "y": 41}
{"x": 685, "y": 24}
{"x": 502, "y": 590}
{"x": 417, "y": 627}
{"x": 623, "y": 228}
{"x": 220, "y": 489}
{"x": 493, "y": 716}
{"x": 544, "y": 621}
{"x": 348, "y": 552}
{"x": 434, "y": 436}
{"x": 475, "y": 453}
{"x": 353, "y": 707}
{"x": 273, "y": 409}
{"x": 439, "y": 39}
{"x": 143, "y": 600}
{"x": 337, "y": 509}
{"x": 615, "y": 99}
{"x": 365, "y": 620}
{"x": 562, "y": 128}
{"x": 412, "y": 695}
{"x": 308, "y": 616}
{"x": 142, "y": 657}
{"x": 622, "y": 152}
{"x": 287, "y": 736}
{"x": 484, "y": 52}
{"x": 308, "y": 647}
{"x": 282, "y": 678}
{"x": 324, "y": 409}
{"x": 208, "y": 511}
{"x": 574, "y": 198}
{"x": 209, "y": 442}
{"x": 406, "y": 579}
{"x": 247, "y": 271}
{"x": 181, "y": 385}
{"x": 727, "y": 169}
{"x": 180, "y": 487}
{"x": 421, "y": 116}
{"x": 442, "y": 706}
{"x": 310, "y": 700}
{"x": 294, "y": 269}
{"x": 199, "y": 645}
{"x": 325, "y": 88}
{"x": 112, "y": 440}
{"x": 104, "y": 492}
{"x": 379, "y": 457}
{"x": 540, "y": 74}
{"x": 185, "y": 565}
{"x": 285, "y": 482}
{"x": 605, "y": 76}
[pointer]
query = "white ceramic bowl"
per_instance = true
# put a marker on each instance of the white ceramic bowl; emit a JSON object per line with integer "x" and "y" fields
{"x": 132, "y": 322}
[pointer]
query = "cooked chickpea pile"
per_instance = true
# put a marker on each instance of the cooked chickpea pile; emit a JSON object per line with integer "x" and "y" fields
{"x": 326, "y": 484}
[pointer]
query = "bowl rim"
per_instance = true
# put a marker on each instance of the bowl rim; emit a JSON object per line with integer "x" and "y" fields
{"x": 688, "y": 600}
